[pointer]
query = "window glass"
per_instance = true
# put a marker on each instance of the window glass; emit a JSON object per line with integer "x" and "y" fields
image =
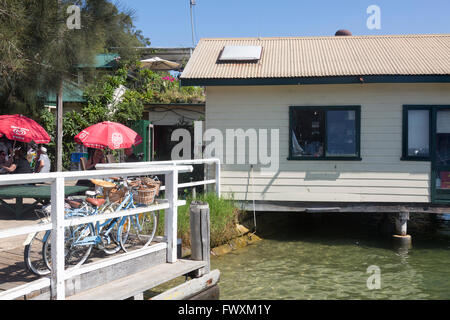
{"x": 418, "y": 133}
{"x": 308, "y": 136}
{"x": 443, "y": 138}
{"x": 322, "y": 133}
{"x": 341, "y": 133}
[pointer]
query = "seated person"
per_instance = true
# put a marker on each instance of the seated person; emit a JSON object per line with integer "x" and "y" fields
{"x": 20, "y": 164}
{"x": 131, "y": 157}
{"x": 314, "y": 148}
{"x": 98, "y": 157}
{"x": 42, "y": 161}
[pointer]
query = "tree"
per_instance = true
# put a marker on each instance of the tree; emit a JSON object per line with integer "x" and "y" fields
{"x": 38, "y": 50}
{"x": 143, "y": 87}
{"x": 50, "y": 50}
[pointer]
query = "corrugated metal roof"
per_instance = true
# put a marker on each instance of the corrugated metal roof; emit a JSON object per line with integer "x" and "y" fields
{"x": 294, "y": 57}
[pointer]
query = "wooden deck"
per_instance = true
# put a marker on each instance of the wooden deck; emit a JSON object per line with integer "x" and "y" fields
{"x": 135, "y": 284}
{"x": 12, "y": 269}
{"x": 13, "y": 272}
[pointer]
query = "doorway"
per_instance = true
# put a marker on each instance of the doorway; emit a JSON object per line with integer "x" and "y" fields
{"x": 440, "y": 155}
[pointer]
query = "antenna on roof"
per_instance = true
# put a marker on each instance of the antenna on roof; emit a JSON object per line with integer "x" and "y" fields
{"x": 192, "y": 4}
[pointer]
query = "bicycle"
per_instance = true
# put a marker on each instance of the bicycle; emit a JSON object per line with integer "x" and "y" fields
{"x": 109, "y": 235}
{"x": 126, "y": 233}
{"x": 35, "y": 244}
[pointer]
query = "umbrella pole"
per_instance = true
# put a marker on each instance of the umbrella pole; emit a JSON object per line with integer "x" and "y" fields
{"x": 14, "y": 146}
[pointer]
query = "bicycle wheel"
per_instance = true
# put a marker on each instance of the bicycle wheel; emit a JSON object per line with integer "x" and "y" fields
{"x": 110, "y": 232}
{"x": 142, "y": 231}
{"x": 75, "y": 251}
{"x": 33, "y": 253}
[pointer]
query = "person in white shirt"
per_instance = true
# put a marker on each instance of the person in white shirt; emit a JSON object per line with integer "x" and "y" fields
{"x": 43, "y": 161}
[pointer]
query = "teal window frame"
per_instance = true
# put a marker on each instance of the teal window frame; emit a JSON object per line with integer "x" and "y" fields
{"x": 406, "y": 109}
{"x": 357, "y": 110}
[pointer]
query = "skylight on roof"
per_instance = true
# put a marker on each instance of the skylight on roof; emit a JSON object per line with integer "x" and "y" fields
{"x": 241, "y": 53}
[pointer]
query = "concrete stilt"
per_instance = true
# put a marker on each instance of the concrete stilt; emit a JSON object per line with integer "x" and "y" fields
{"x": 401, "y": 239}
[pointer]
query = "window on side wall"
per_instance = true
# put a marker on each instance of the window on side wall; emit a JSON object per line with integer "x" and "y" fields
{"x": 324, "y": 133}
{"x": 416, "y": 133}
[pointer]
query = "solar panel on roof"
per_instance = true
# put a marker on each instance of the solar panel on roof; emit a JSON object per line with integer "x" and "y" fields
{"x": 241, "y": 53}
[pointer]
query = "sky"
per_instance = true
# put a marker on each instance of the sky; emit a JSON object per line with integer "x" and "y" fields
{"x": 168, "y": 23}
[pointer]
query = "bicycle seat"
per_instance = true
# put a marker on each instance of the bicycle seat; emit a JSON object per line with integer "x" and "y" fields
{"x": 74, "y": 204}
{"x": 96, "y": 202}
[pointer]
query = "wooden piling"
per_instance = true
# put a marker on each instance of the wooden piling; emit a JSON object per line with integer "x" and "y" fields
{"x": 200, "y": 235}
{"x": 401, "y": 239}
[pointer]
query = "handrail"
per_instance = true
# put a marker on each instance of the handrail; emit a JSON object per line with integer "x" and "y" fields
{"x": 178, "y": 163}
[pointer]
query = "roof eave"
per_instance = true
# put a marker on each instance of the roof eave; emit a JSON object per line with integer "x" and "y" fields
{"x": 315, "y": 80}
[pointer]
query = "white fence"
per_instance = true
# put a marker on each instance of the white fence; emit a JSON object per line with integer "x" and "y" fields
{"x": 56, "y": 281}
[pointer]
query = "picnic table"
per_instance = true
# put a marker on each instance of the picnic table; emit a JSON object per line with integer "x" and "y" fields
{"x": 41, "y": 194}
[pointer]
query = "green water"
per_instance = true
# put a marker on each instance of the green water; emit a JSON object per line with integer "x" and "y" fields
{"x": 331, "y": 262}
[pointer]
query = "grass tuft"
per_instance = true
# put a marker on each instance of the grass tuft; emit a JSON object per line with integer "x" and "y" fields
{"x": 223, "y": 218}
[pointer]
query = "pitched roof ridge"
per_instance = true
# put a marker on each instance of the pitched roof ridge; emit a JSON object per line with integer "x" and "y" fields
{"x": 330, "y": 37}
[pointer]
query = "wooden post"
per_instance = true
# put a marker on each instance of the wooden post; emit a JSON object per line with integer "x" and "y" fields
{"x": 200, "y": 235}
{"x": 57, "y": 240}
{"x": 401, "y": 239}
{"x": 401, "y": 223}
{"x": 59, "y": 127}
{"x": 171, "y": 216}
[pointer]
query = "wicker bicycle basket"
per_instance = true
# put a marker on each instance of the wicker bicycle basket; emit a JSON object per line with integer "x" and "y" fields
{"x": 134, "y": 184}
{"x": 152, "y": 182}
{"x": 117, "y": 195}
{"x": 146, "y": 195}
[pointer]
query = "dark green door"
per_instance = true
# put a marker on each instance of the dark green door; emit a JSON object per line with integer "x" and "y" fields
{"x": 440, "y": 159}
{"x": 143, "y": 128}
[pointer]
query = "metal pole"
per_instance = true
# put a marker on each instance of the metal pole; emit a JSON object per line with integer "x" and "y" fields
{"x": 192, "y": 3}
{"x": 218, "y": 178}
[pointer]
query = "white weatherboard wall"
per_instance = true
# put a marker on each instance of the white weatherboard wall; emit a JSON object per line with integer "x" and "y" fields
{"x": 380, "y": 177}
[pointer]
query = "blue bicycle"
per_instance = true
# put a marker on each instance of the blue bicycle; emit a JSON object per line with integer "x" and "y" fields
{"x": 37, "y": 243}
{"x": 111, "y": 235}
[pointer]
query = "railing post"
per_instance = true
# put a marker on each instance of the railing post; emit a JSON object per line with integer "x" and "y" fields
{"x": 200, "y": 235}
{"x": 58, "y": 291}
{"x": 218, "y": 178}
{"x": 171, "y": 216}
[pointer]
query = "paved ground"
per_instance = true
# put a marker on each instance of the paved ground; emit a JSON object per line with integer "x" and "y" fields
{"x": 12, "y": 266}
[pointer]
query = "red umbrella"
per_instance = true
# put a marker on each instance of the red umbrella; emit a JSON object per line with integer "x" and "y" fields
{"x": 20, "y": 128}
{"x": 108, "y": 134}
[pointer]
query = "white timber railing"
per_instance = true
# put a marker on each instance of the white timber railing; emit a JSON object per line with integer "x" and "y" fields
{"x": 58, "y": 276}
{"x": 213, "y": 161}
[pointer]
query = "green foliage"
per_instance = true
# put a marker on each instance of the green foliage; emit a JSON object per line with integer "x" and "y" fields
{"x": 223, "y": 219}
{"x": 142, "y": 87}
{"x": 38, "y": 50}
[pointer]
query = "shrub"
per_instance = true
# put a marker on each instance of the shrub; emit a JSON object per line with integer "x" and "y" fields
{"x": 223, "y": 219}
